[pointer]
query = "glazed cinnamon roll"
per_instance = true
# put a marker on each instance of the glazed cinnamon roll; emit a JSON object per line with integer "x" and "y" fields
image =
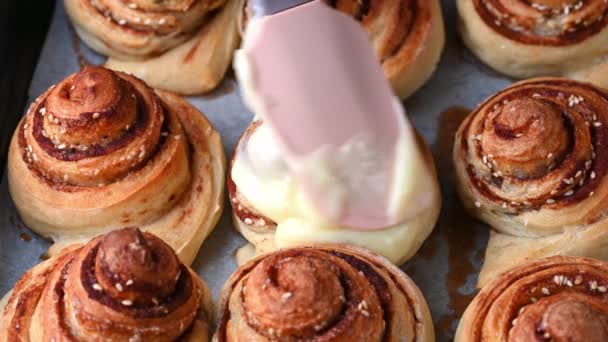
{"x": 327, "y": 293}
{"x": 525, "y": 38}
{"x": 124, "y": 286}
{"x": 530, "y": 162}
{"x": 552, "y": 299}
{"x": 407, "y": 35}
{"x": 101, "y": 150}
{"x": 271, "y": 213}
{"x": 184, "y": 46}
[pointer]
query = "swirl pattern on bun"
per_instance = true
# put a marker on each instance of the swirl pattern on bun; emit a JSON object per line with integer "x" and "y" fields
{"x": 101, "y": 150}
{"x": 530, "y": 163}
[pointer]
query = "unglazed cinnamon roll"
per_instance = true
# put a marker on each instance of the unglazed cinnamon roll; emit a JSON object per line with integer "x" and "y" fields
{"x": 184, "y": 46}
{"x": 332, "y": 293}
{"x": 101, "y": 150}
{"x": 407, "y": 35}
{"x": 125, "y": 286}
{"x": 531, "y": 162}
{"x": 525, "y": 38}
{"x": 271, "y": 213}
{"x": 552, "y": 299}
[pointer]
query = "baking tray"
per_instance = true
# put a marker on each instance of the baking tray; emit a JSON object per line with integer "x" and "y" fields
{"x": 445, "y": 268}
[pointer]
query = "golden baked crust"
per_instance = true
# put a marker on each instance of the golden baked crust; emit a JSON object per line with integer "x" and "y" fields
{"x": 530, "y": 162}
{"x": 101, "y": 151}
{"x": 328, "y": 293}
{"x": 124, "y": 286}
{"x": 524, "y": 39}
{"x": 557, "y": 298}
{"x": 183, "y": 46}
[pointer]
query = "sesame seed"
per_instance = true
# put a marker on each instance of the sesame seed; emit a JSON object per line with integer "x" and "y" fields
{"x": 597, "y": 124}
{"x": 592, "y": 174}
{"x": 129, "y": 282}
{"x": 96, "y": 115}
{"x": 593, "y": 285}
{"x": 127, "y": 302}
{"x": 132, "y": 5}
{"x": 567, "y": 181}
{"x": 365, "y": 313}
{"x": 591, "y": 193}
{"x": 514, "y": 321}
{"x": 164, "y": 134}
{"x": 148, "y": 21}
{"x": 42, "y": 111}
{"x": 154, "y": 301}
{"x": 549, "y": 156}
{"x": 286, "y": 296}
{"x": 122, "y": 22}
{"x": 602, "y": 289}
{"x": 547, "y": 335}
{"x": 478, "y": 204}
{"x": 550, "y": 201}
{"x": 569, "y": 193}
{"x": 557, "y": 279}
{"x": 61, "y": 147}
{"x": 554, "y": 192}
{"x": 162, "y": 21}
{"x": 97, "y": 287}
{"x": 248, "y": 221}
{"x": 177, "y": 137}
{"x": 66, "y": 177}
{"x": 545, "y": 291}
{"x": 119, "y": 287}
{"x": 533, "y": 299}
{"x": 578, "y": 174}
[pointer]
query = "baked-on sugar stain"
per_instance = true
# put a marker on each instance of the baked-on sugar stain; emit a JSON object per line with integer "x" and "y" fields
{"x": 25, "y": 237}
{"x": 455, "y": 226}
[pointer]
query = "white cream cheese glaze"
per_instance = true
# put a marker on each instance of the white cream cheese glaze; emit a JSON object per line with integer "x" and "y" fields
{"x": 263, "y": 179}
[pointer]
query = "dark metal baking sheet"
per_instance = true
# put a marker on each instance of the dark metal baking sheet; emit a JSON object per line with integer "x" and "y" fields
{"x": 446, "y": 267}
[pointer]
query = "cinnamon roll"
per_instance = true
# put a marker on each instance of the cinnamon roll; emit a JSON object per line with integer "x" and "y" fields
{"x": 331, "y": 293}
{"x": 407, "y": 35}
{"x": 271, "y": 213}
{"x": 525, "y": 38}
{"x": 552, "y": 299}
{"x": 184, "y": 46}
{"x": 530, "y": 162}
{"x": 101, "y": 150}
{"x": 124, "y": 286}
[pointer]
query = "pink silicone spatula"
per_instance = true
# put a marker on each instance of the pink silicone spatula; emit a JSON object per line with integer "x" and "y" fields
{"x": 310, "y": 72}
